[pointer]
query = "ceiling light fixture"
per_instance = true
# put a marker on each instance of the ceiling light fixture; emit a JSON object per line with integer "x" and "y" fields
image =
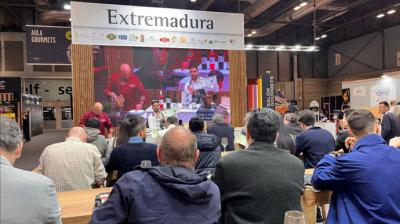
{"x": 297, "y": 8}
{"x": 295, "y": 48}
{"x": 249, "y": 35}
{"x": 253, "y": 32}
{"x": 323, "y": 36}
{"x": 69, "y": 19}
{"x": 390, "y": 12}
{"x": 312, "y": 48}
{"x": 192, "y": 0}
{"x": 380, "y": 15}
{"x": 67, "y": 6}
{"x": 303, "y": 4}
{"x": 317, "y": 38}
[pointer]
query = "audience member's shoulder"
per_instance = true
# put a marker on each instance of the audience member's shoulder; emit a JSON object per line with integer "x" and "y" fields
{"x": 213, "y": 186}
{"x": 91, "y": 148}
{"x": 31, "y": 179}
{"x": 291, "y": 158}
{"x": 101, "y": 137}
{"x": 151, "y": 145}
{"x": 55, "y": 146}
{"x": 231, "y": 157}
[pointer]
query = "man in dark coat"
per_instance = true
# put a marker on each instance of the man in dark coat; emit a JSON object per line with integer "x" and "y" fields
{"x": 222, "y": 130}
{"x": 390, "y": 126}
{"x": 291, "y": 121}
{"x": 210, "y": 152}
{"x": 170, "y": 193}
{"x": 260, "y": 183}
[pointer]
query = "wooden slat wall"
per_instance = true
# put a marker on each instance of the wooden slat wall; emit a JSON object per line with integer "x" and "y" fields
{"x": 82, "y": 80}
{"x": 314, "y": 89}
{"x": 115, "y": 56}
{"x": 238, "y": 86}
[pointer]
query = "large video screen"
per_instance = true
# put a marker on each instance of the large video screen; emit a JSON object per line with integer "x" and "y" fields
{"x": 186, "y": 82}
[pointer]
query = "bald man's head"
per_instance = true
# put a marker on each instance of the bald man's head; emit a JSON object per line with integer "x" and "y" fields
{"x": 97, "y": 108}
{"x": 178, "y": 147}
{"x": 125, "y": 70}
{"x": 77, "y": 132}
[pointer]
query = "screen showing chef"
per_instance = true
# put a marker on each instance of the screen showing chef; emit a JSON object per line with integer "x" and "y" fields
{"x": 186, "y": 82}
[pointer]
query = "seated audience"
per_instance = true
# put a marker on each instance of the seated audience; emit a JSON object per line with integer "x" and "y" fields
{"x": 343, "y": 134}
{"x": 222, "y": 129}
{"x": 395, "y": 142}
{"x": 364, "y": 182}
{"x": 26, "y": 197}
{"x": 125, "y": 157}
{"x": 121, "y": 138}
{"x": 105, "y": 121}
{"x": 93, "y": 135}
{"x": 170, "y": 123}
{"x": 291, "y": 122}
{"x": 73, "y": 164}
{"x": 341, "y": 115}
{"x": 390, "y": 125}
{"x": 210, "y": 151}
{"x": 284, "y": 140}
{"x": 170, "y": 193}
{"x": 314, "y": 142}
{"x": 259, "y": 184}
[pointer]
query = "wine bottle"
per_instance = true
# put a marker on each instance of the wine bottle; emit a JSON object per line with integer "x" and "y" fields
{"x": 203, "y": 59}
{"x": 161, "y": 100}
{"x": 212, "y": 59}
{"x": 168, "y": 100}
{"x": 221, "y": 60}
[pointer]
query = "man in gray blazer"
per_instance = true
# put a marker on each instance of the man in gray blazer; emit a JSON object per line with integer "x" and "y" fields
{"x": 260, "y": 183}
{"x": 26, "y": 197}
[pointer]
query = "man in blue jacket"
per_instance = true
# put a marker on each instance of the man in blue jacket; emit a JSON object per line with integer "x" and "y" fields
{"x": 314, "y": 142}
{"x": 365, "y": 182}
{"x": 170, "y": 193}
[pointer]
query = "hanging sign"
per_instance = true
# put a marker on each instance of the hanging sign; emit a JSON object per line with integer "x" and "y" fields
{"x": 121, "y": 25}
{"x": 48, "y": 45}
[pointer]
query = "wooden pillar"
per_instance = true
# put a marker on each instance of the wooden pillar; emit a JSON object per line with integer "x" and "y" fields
{"x": 82, "y": 80}
{"x": 238, "y": 86}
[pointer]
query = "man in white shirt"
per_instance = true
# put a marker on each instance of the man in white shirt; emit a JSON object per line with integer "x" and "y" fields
{"x": 156, "y": 118}
{"x": 73, "y": 164}
{"x": 195, "y": 83}
{"x": 26, "y": 197}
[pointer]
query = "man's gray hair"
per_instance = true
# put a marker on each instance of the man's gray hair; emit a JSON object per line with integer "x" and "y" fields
{"x": 218, "y": 118}
{"x": 10, "y": 134}
{"x": 263, "y": 126}
{"x": 291, "y": 118}
{"x": 396, "y": 110}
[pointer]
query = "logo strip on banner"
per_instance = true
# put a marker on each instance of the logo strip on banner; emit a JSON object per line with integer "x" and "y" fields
{"x": 120, "y": 25}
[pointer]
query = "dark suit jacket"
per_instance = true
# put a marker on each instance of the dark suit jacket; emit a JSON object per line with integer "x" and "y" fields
{"x": 390, "y": 126}
{"x": 124, "y": 158}
{"x": 223, "y": 130}
{"x": 259, "y": 184}
{"x": 314, "y": 143}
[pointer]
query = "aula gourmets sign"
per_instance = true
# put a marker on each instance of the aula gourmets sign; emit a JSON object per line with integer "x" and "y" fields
{"x": 105, "y": 24}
